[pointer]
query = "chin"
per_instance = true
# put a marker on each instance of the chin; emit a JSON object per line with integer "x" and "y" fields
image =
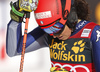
{"x": 64, "y": 38}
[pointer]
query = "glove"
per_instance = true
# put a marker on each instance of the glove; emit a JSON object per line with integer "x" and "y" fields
{"x": 20, "y": 7}
{"x": 58, "y": 69}
{"x": 15, "y": 14}
{"x": 28, "y": 5}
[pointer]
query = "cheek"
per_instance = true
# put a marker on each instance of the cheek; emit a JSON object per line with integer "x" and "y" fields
{"x": 66, "y": 31}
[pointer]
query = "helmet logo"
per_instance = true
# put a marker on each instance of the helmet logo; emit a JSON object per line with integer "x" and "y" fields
{"x": 42, "y": 15}
{"x": 65, "y": 15}
{"x": 41, "y": 22}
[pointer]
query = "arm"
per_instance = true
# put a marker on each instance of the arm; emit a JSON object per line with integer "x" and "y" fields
{"x": 35, "y": 39}
{"x": 95, "y": 38}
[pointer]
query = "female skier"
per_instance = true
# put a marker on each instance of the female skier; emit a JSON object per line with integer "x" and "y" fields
{"x": 65, "y": 28}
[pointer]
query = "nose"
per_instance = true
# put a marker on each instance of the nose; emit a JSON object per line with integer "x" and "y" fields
{"x": 54, "y": 36}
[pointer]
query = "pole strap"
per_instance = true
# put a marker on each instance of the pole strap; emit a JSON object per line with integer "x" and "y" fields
{"x": 15, "y": 11}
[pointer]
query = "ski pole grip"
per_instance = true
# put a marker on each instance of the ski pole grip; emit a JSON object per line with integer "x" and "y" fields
{"x": 27, "y": 14}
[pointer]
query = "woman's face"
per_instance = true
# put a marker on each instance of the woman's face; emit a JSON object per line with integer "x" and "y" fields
{"x": 65, "y": 34}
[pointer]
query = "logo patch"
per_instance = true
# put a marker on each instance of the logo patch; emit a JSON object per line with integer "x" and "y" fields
{"x": 85, "y": 33}
{"x": 72, "y": 68}
{"x": 98, "y": 35}
{"x": 78, "y": 46}
{"x": 43, "y": 15}
{"x": 80, "y": 25}
{"x": 58, "y": 51}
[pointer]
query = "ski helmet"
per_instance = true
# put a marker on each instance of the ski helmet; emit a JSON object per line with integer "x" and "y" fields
{"x": 50, "y": 11}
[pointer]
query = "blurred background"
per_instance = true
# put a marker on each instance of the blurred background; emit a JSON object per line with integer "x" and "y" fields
{"x": 36, "y": 61}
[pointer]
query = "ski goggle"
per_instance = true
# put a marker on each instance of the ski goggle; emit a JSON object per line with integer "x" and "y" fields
{"x": 56, "y": 29}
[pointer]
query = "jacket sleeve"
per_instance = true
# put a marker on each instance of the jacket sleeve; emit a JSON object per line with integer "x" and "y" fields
{"x": 95, "y": 38}
{"x": 36, "y": 39}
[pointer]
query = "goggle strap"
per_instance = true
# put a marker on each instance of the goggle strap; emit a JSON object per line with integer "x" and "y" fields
{"x": 62, "y": 21}
{"x": 67, "y": 7}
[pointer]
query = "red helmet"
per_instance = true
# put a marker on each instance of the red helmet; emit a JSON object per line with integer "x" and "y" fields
{"x": 48, "y": 11}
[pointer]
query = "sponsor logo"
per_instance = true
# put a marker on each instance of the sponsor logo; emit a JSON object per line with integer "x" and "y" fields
{"x": 73, "y": 68}
{"x": 85, "y": 33}
{"x": 98, "y": 35}
{"x": 43, "y": 15}
{"x": 78, "y": 46}
{"x": 80, "y": 25}
{"x": 57, "y": 51}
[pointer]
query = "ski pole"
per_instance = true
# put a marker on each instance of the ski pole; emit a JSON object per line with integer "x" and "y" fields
{"x": 24, "y": 41}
